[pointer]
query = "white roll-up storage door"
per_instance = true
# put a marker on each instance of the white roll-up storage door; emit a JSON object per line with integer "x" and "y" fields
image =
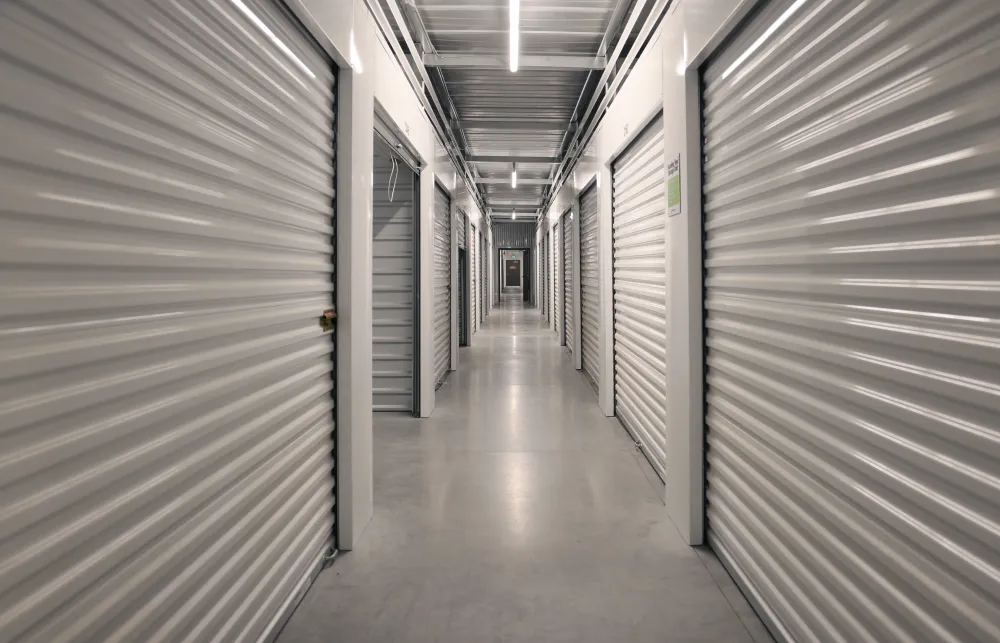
{"x": 544, "y": 267}
{"x": 556, "y": 283}
{"x": 166, "y": 415}
{"x": 541, "y": 276}
{"x": 483, "y": 277}
{"x": 393, "y": 286}
{"x": 474, "y": 252}
{"x": 548, "y": 275}
{"x": 567, "y": 228}
{"x": 639, "y": 282}
{"x": 590, "y": 323}
{"x": 853, "y": 389}
{"x": 462, "y": 286}
{"x": 442, "y": 284}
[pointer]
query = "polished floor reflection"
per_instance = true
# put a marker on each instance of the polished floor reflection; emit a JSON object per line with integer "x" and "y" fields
{"x": 518, "y": 513}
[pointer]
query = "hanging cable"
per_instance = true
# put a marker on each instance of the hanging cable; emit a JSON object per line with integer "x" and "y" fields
{"x": 392, "y": 180}
{"x": 392, "y": 172}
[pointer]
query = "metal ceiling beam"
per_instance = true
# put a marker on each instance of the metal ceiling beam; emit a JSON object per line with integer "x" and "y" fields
{"x": 520, "y": 181}
{"x": 598, "y": 104}
{"x": 533, "y": 126}
{"x": 549, "y": 160}
{"x": 483, "y": 61}
{"x": 429, "y": 99}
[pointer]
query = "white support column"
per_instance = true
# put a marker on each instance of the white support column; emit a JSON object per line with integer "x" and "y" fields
{"x": 606, "y": 348}
{"x": 425, "y": 221}
{"x": 685, "y": 492}
{"x": 356, "y": 104}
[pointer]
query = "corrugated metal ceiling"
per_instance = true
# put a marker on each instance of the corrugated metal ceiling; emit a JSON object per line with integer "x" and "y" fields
{"x": 547, "y": 26}
{"x": 509, "y": 114}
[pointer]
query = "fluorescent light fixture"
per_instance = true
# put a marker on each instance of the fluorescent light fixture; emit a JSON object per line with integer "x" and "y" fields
{"x": 515, "y": 35}
{"x": 252, "y": 17}
{"x": 513, "y": 175}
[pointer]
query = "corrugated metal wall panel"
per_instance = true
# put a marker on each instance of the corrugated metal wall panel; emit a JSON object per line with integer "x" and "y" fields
{"x": 639, "y": 282}
{"x": 513, "y": 235}
{"x": 442, "y": 284}
{"x": 393, "y": 286}
{"x": 567, "y": 226}
{"x": 463, "y": 229}
{"x": 166, "y": 415}
{"x": 851, "y": 219}
{"x": 590, "y": 323}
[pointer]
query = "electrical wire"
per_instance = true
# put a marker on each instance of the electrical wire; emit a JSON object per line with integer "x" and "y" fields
{"x": 393, "y": 179}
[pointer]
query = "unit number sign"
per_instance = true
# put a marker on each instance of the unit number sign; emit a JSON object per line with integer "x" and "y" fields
{"x": 674, "y": 187}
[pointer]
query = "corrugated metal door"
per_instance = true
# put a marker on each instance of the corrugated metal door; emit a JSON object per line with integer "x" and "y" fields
{"x": 483, "y": 275}
{"x": 851, "y": 217}
{"x": 548, "y": 276}
{"x": 537, "y": 286}
{"x": 393, "y": 286}
{"x": 556, "y": 292}
{"x": 474, "y": 252}
{"x": 463, "y": 273}
{"x": 567, "y": 227}
{"x": 541, "y": 276}
{"x": 589, "y": 313}
{"x": 442, "y": 284}
{"x": 545, "y": 273}
{"x": 166, "y": 413}
{"x": 639, "y": 282}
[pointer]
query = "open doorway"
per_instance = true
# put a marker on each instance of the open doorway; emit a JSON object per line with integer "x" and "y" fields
{"x": 395, "y": 279}
{"x": 463, "y": 298}
{"x": 514, "y": 272}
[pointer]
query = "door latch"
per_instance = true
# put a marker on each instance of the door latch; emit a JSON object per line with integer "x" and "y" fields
{"x": 326, "y": 320}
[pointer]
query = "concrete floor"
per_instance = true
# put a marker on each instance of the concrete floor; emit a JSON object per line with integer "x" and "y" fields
{"x": 518, "y": 513}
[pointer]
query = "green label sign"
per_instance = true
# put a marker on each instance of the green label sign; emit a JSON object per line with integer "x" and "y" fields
{"x": 674, "y": 187}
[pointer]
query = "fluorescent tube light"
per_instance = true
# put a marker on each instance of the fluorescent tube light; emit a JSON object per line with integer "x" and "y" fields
{"x": 515, "y": 35}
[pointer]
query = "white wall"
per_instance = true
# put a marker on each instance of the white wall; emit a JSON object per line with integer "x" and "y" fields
{"x": 368, "y": 73}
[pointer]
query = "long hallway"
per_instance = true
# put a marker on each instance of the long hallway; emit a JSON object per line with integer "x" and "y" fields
{"x": 518, "y": 513}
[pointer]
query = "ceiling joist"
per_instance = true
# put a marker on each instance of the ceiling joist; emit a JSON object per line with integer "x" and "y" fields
{"x": 529, "y": 126}
{"x": 502, "y": 181}
{"x": 540, "y": 160}
{"x": 484, "y": 61}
